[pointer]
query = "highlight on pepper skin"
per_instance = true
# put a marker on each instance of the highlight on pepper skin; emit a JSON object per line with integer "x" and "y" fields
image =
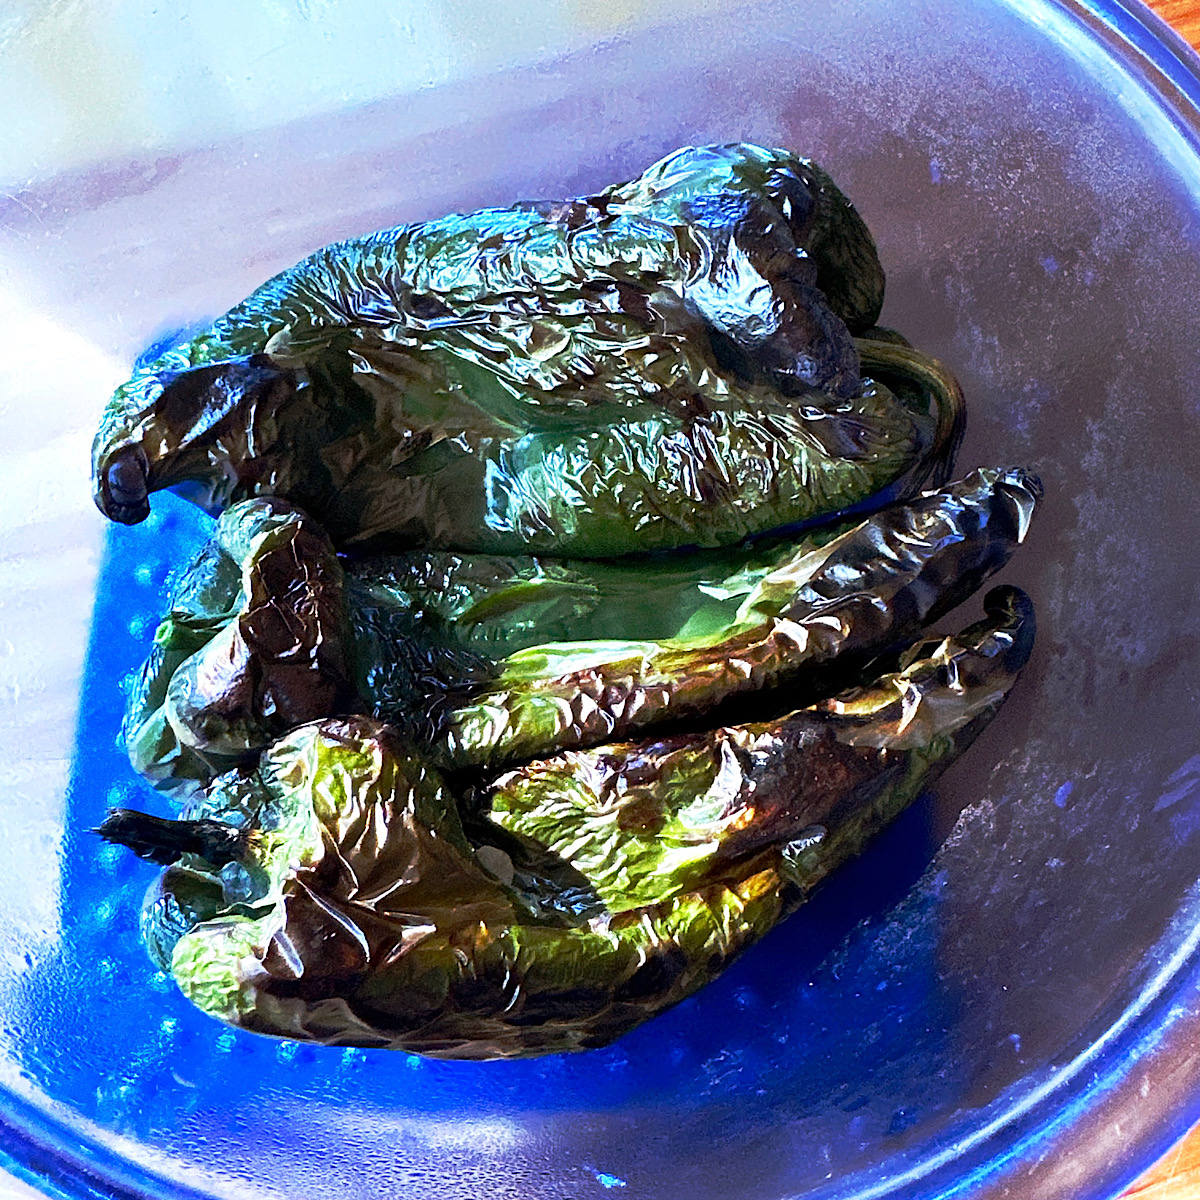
{"x": 561, "y": 903}
{"x": 564, "y": 620}
{"x": 674, "y": 361}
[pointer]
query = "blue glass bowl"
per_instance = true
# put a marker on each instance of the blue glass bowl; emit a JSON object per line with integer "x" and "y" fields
{"x": 1000, "y": 998}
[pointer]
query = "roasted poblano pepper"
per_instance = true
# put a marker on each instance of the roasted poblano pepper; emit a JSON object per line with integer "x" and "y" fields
{"x": 480, "y": 660}
{"x": 342, "y": 893}
{"x": 415, "y": 815}
{"x": 670, "y": 362}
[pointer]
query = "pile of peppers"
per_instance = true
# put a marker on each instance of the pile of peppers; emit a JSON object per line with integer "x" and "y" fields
{"x": 564, "y": 620}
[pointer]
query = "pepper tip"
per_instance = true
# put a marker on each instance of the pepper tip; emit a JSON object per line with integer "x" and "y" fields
{"x": 123, "y": 492}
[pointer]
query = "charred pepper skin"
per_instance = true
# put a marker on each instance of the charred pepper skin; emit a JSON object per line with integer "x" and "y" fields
{"x": 256, "y": 642}
{"x": 467, "y": 799}
{"x": 806, "y": 627}
{"x": 670, "y": 362}
{"x": 451, "y": 649}
{"x": 424, "y": 617}
{"x": 366, "y": 914}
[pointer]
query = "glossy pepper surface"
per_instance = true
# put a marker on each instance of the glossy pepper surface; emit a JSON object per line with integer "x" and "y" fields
{"x": 354, "y": 899}
{"x": 481, "y": 661}
{"x": 557, "y": 633}
{"x": 670, "y": 362}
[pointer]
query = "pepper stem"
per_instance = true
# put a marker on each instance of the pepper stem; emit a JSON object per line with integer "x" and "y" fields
{"x": 162, "y": 841}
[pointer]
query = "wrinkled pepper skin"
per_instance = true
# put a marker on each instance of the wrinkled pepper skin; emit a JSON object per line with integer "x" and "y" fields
{"x": 668, "y": 363}
{"x": 452, "y": 649}
{"x": 255, "y": 643}
{"x": 807, "y": 626}
{"x": 360, "y": 902}
{"x": 473, "y": 761}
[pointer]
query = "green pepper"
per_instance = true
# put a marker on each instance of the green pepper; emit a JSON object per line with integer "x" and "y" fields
{"x": 344, "y": 893}
{"x": 416, "y": 815}
{"x": 667, "y": 363}
{"x": 255, "y": 643}
{"x": 483, "y": 660}
{"x": 806, "y": 626}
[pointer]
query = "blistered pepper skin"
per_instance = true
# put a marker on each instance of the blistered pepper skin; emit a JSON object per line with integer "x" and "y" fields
{"x": 365, "y": 912}
{"x": 667, "y": 363}
{"x": 255, "y": 643}
{"x": 448, "y": 648}
{"x": 807, "y": 626}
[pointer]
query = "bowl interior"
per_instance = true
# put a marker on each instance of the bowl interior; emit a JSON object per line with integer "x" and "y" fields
{"x": 1035, "y": 203}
